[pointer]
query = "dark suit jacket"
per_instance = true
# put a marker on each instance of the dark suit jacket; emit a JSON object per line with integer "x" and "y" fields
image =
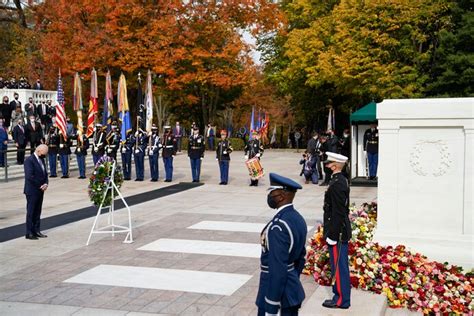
{"x": 34, "y": 136}
{"x": 19, "y": 136}
{"x": 35, "y": 177}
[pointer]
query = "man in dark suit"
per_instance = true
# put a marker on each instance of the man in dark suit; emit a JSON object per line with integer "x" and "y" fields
{"x": 178, "y": 132}
{"x": 34, "y": 133}
{"x": 19, "y": 136}
{"x": 36, "y": 183}
{"x": 38, "y": 85}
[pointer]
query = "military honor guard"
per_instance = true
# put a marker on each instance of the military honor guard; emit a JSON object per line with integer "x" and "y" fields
{"x": 140, "y": 144}
{"x": 81, "y": 153}
{"x": 64, "y": 152}
{"x": 126, "y": 151}
{"x": 282, "y": 259}
{"x": 371, "y": 149}
{"x": 223, "y": 157}
{"x": 169, "y": 151}
{"x": 196, "y": 149}
{"x": 98, "y": 143}
{"x": 3, "y": 143}
{"x": 337, "y": 231}
{"x": 52, "y": 141}
{"x": 113, "y": 141}
{"x": 153, "y": 150}
{"x": 254, "y": 148}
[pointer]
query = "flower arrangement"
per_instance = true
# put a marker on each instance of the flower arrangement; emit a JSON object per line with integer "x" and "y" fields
{"x": 100, "y": 179}
{"x": 408, "y": 279}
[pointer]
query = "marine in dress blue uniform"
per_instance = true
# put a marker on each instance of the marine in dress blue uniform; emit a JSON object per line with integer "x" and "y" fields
{"x": 126, "y": 150}
{"x": 98, "y": 143}
{"x": 140, "y": 141}
{"x": 81, "y": 153}
{"x": 283, "y": 252}
{"x": 337, "y": 231}
{"x": 223, "y": 157}
{"x": 169, "y": 151}
{"x": 196, "y": 149}
{"x": 154, "y": 146}
{"x": 113, "y": 141}
{"x": 371, "y": 148}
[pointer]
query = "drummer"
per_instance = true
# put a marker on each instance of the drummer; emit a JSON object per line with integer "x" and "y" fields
{"x": 254, "y": 149}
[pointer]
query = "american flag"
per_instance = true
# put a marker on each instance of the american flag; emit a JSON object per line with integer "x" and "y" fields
{"x": 60, "y": 111}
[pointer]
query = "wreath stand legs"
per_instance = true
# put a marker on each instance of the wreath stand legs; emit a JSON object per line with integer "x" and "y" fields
{"x": 111, "y": 227}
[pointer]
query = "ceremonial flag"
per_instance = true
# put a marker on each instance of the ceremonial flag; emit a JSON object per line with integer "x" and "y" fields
{"x": 149, "y": 102}
{"x": 93, "y": 104}
{"x": 331, "y": 119}
{"x": 141, "y": 111}
{"x": 122, "y": 101}
{"x": 60, "y": 111}
{"x": 108, "y": 112}
{"x": 274, "y": 136}
{"x": 252, "y": 124}
{"x": 77, "y": 103}
{"x": 259, "y": 121}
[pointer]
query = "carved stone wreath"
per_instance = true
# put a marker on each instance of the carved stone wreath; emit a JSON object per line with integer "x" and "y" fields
{"x": 419, "y": 168}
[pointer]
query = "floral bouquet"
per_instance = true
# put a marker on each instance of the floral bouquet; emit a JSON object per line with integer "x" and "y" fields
{"x": 100, "y": 179}
{"x": 408, "y": 279}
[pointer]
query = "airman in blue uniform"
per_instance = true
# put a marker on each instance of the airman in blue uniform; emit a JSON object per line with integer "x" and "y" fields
{"x": 337, "y": 231}
{"x": 126, "y": 150}
{"x": 154, "y": 146}
{"x": 283, "y": 252}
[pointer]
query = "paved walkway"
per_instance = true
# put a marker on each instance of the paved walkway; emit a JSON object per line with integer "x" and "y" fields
{"x": 159, "y": 272}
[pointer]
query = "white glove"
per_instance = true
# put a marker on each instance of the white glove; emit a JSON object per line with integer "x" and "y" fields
{"x": 137, "y": 151}
{"x": 136, "y": 134}
{"x": 225, "y": 152}
{"x": 331, "y": 242}
{"x": 246, "y": 157}
{"x": 201, "y": 158}
{"x": 268, "y": 314}
{"x": 257, "y": 155}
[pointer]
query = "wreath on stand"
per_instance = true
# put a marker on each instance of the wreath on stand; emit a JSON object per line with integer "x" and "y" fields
{"x": 100, "y": 179}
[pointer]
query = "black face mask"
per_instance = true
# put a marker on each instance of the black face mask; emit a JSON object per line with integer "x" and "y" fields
{"x": 42, "y": 156}
{"x": 271, "y": 201}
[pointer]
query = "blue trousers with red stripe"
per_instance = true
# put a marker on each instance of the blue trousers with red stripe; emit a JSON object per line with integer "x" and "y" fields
{"x": 342, "y": 287}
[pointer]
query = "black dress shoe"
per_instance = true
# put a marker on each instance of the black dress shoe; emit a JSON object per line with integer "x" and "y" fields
{"x": 221, "y": 183}
{"x": 167, "y": 180}
{"x": 331, "y": 304}
{"x": 53, "y": 176}
{"x": 31, "y": 236}
{"x": 154, "y": 180}
{"x": 40, "y": 235}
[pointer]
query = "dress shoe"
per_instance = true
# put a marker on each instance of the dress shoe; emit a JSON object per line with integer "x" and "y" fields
{"x": 221, "y": 183}
{"x": 31, "y": 236}
{"x": 154, "y": 180}
{"x": 40, "y": 235}
{"x": 53, "y": 176}
{"x": 331, "y": 304}
{"x": 323, "y": 184}
{"x": 167, "y": 180}
{"x": 224, "y": 183}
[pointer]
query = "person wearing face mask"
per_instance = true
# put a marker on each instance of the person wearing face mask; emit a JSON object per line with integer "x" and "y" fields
{"x": 371, "y": 149}
{"x": 196, "y": 149}
{"x": 283, "y": 252}
{"x": 169, "y": 151}
{"x": 15, "y": 102}
{"x": 52, "y": 141}
{"x": 17, "y": 115}
{"x": 337, "y": 231}
{"x": 34, "y": 133}
{"x": 154, "y": 146}
{"x": 6, "y": 112}
{"x": 223, "y": 151}
{"x": 126, "y": 152}
{"x": 3, "y": 143}
{"x": 140, "y": 142}
{"x": 210, "y": 136}
{"x": 30, "y": 108}
{"x": 19, "y": 137}
{"x": 36, "y": 183}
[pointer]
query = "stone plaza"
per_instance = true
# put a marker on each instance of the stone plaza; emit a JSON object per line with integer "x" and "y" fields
{"x": 195, "y": 252}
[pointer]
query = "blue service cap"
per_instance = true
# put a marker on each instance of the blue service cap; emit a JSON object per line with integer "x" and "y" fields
{"x": 280, "y": 182}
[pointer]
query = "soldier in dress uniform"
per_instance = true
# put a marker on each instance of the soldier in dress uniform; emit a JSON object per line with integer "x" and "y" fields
{"x": 113, "y": 141}
{"x": 254, "y": 148}
{"x": 223, "y": 157}
{"x": 371, "y": 149}
{"x": 126, "y": 150}
{"x": 81, "y": 153}
{"x": 196, "y": 149}
{"x": 337, "y": 231}
{"x": 52, "y": 141}
{"x": 140, "y": 144}
{"x": 154, "y": 146}
{"x": 169, "y": 151}
{"x": 98, "y": 143}
{"x": 64, "y": 152}
{"x": 283, "y": 252}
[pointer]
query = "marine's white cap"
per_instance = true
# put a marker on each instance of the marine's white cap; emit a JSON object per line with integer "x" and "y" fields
{"x": 333, "y": 157}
